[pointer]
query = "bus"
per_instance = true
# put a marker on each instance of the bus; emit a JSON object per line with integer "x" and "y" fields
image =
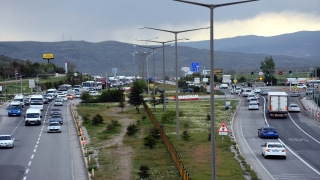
{"x": 65, "y": 88}
{"x": 89, "y": 85}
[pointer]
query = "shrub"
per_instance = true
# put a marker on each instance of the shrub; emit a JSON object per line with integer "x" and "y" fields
{"x": 115, "y": 122}
{"x": 149, "y": 141}
{"x": 144, "y": 117}
{"x": 132, "y": 129}
{"x": 155, "y": 133}
{"x": 186, "y": 136}
{"x": 97, "y": 119}
{"x": 110, "y": 126}
{"x": 86, "y": 119}
{"x": 143, "y": 172}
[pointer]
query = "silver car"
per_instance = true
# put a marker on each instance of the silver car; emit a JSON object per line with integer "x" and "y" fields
{"x": 54, "y": 127}
{"x": 295, "y": 94}
{"x": 253, "y": 106}
{"x": 294, "y": 108}
{"x": 6, "y": 141}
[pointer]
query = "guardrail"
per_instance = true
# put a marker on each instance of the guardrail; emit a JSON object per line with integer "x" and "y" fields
{"x": 172, "y": 151}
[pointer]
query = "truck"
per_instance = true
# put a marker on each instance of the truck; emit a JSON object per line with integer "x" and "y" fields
{"x": 277, "y": 104}
{"x": 226, "y": 79}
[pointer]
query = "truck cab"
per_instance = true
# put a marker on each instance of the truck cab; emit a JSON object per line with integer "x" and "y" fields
{"x": 33, "y": 116}
{"x": 14, "y": 108}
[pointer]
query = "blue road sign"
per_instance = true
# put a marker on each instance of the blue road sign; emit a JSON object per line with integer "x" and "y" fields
{"x": 114, "y": 70}
{"x": 194, "y": 66}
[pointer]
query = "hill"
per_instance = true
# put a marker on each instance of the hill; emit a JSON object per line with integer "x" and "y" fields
{"x": 304, "y": 44}
{"x": 100, "y": 58}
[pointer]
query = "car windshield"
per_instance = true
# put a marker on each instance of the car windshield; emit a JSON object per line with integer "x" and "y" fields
{"x": 254, "y": 99}
{"x": 36, "y": 102}
{"x": 54, "y": 124}
{"x": 14, "y": 107}
{"x": 58, "y": 100}
{"x": 33, "y": 115}
{"x": 269, "y": 128}
{"x": 5, "y": 138}
{"x": 293, "y": 105}
{"x": 274, "y": 146}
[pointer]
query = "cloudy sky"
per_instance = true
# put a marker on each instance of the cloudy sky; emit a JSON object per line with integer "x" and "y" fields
{"x": 119, "y": 20}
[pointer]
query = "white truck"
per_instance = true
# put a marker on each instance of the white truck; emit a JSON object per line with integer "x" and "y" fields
{"x": 277, "y": 104}
{"x": 226, "y": 79}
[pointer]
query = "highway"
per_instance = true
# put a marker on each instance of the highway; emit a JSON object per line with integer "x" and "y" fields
{"x": 300, "y": 135}
{"x": 38, "y": 154}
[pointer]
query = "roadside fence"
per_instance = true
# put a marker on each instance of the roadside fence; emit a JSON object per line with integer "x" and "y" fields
{"x": 172, "y": 151}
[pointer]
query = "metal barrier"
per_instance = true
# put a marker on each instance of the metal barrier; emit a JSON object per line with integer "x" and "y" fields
{"x": 172, "y": 151}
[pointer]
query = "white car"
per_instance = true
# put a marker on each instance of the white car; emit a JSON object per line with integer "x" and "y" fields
{"x": 257, "y": 90}
{"x": 58, "y": 102}
{"x": 54, "y": 127}
{"x": 94, "y": 93}
{"x": 6, "y": 141}
{"x": 273, "y": 149}
{"x": 63, "y": 97}
{"x": 250, "y": 96}
{"x": 246, "y": 92}
{"x": 253, "y": 106}
{"x": 77, "y": 95}
{"x": 255, "y": 100}
{"x": 294, "y": 108}
{"x": 301, "y": 86}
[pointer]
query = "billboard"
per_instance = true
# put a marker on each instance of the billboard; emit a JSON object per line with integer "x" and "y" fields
{"x": 47, "y": 56}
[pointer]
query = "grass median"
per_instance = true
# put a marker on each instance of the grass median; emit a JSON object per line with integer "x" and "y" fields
{"x": 195, "y": 153}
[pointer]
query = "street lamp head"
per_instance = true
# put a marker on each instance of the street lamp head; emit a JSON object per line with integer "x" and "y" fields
{"x": 141, "y": 27}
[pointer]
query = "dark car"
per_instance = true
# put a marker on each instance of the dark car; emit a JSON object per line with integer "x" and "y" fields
{"x": 264, "y": 92}
{"x": 268, "y": 132}
{"x": 186, "y": 90}
{"x": 55, "y": 112}
{"x": 27, "y": 102}
{"x": 58, "y": 119}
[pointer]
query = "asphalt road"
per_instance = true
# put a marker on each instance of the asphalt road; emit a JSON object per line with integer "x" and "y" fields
{"x": 300, "y": 135}
{"x": 38, "y": 154}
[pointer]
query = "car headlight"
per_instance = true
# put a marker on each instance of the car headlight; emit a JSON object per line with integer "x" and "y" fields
{"x": 18, "y": 111}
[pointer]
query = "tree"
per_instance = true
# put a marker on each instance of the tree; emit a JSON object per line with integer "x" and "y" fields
{"x": 122, "y": 104}
{"x": 268, "y": 68}
{"x": 135, "y": 96}
{"x": 154, "y": 102}
{"x": 149, "y": 141}
{"x": 144, "y": 172}
{"x": 170, "y": 115}
{"x": 85, "y": 96}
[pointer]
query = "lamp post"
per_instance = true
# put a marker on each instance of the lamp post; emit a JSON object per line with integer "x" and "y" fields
{"x": 176, "y": 54}
{"x": 16, "y": 74}
{"x": 211, "y": 7}
{"x": 164, "y": 74}
{"x": 154, "y": 71}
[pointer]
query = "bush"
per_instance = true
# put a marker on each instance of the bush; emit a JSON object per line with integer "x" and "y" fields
{"x": 143, "y": 172}
{"x": 149, "y": 141}
{"x": 110, "y": 127}
{"x": 115, "y": 122}
{"x": 86, "y": 119}
{"x": 186, "y": 136}
{"x": 132, "y": 129}
{"x": 155, "y": 133}
{"x": 97, "y": 119}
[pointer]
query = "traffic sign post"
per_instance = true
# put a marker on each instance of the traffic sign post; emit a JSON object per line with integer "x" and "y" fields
{"x": 235, "y": 80}
{"x": 223, "y": 130}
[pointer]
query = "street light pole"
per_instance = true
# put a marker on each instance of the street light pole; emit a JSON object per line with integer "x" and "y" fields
{"x": 164, "y": 75}
{"x": 176, "y": 54}
{"x": 211, "y": 7}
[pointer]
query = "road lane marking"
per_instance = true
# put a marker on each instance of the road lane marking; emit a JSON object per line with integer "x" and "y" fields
{"x": 287, "y": 146}
{"x": 27, "y": 171}
{"x": 34, "y": 150}
{"x": 251, "y": 149}
{"x": 32, "y": 156}
{"x": 29, "y": 163}
{"x": 303, "y": 130}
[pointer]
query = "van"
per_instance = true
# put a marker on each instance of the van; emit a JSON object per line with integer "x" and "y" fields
{"x": 14, "y": 108}
{"x": 33, "y": 116}
{"x": 36, "y": 101}
{"x": 224, "y": 86}
{"x": 51, "y": 92}
{"x": 20, "y": 98}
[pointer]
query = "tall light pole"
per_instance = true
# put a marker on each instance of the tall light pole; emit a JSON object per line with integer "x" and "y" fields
{"x": 16, "y": 74}
{"x": 146, "y": 40}
{"x": 164, "y": 74}
{"x": 211, "y": 7}
{"x": 176, "y": 53}
{"x": 154, "y": 71}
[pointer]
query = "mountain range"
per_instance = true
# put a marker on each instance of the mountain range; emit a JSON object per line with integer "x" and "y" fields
{"x": 240, "y": 54}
